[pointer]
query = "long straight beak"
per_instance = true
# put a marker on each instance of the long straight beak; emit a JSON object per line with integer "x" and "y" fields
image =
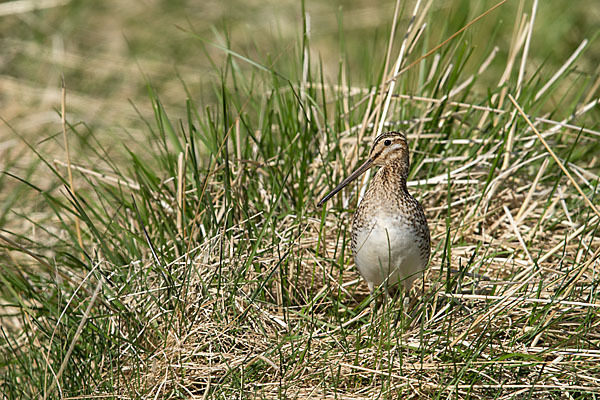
{"x": 359, "y": 171}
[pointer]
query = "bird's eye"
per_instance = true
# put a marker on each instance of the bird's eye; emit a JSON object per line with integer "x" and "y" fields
{"x": 387, "y": 142}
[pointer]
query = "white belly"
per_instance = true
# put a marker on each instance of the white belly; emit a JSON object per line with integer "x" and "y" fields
{"x": 388, "y": 250}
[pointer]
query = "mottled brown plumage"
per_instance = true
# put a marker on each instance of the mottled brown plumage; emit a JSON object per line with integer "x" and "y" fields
{"x": 390, "y": 235}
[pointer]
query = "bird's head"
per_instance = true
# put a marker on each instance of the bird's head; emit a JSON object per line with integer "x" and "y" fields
{"x": 389, "y": 147}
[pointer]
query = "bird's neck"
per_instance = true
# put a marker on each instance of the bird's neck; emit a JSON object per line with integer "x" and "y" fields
{"x": 394, "y": 175}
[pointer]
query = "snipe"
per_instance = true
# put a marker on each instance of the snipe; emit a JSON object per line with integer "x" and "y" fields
{"x": 390, "y": 235}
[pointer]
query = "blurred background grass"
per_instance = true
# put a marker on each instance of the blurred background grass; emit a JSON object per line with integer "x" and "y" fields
{"x": 106, "y": 50}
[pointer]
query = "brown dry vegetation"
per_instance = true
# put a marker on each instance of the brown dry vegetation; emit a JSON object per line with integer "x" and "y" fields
{"x": 494, "y": 313}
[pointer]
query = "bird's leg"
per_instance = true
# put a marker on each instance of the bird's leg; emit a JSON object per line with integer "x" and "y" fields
{"x": 382, "y": 300}
{"x": 373, "y": 303}
{"x": 409, "y": 301}
{"x": 386, "y": 295}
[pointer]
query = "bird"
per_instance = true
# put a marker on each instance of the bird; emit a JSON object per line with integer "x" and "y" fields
{"x": 391, "y": 241}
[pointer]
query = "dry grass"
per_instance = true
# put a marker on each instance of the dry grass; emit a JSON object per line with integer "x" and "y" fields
{"x": 535, "y": 288}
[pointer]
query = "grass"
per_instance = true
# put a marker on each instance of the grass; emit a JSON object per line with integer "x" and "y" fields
{"x": 206, "y": 271}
